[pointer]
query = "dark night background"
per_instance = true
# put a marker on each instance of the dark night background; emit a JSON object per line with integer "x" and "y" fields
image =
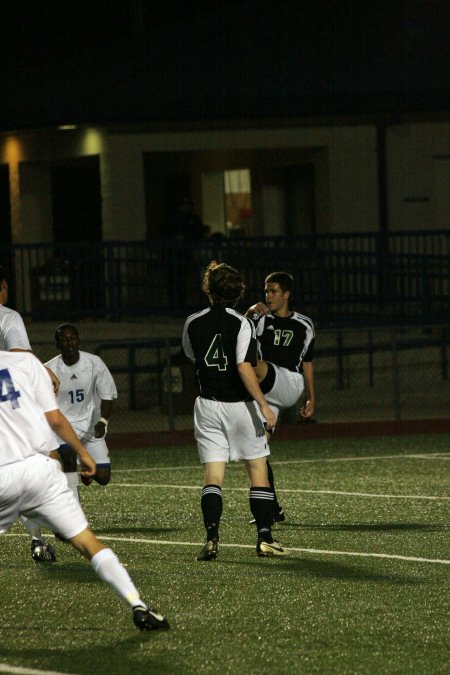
{"x": 161, "y": 62}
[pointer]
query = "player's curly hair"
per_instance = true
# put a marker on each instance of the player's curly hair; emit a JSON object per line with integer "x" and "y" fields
{"x": 223, "y": 284}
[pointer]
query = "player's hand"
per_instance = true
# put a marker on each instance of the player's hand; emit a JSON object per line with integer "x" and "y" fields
{"x": 88, "y": 465}
{"x": 269, "y": 416}
{"x": 308, "y": 409}
{"x": 257, "y": 310}
{"x": 99, "y": 430}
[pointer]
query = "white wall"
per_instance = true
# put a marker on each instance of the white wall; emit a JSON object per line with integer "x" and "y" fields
{"x": 418, "y": 161}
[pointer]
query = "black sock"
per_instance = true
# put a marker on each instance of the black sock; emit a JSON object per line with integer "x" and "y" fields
{"x": 212, "y": 510}
{"x": 276, "y": 505}
{"x": 261, "y": 506}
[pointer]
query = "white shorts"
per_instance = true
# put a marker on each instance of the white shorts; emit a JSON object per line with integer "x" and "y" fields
{"x": 227, "y": 431}
{"x": 97, "y": 448}
{"x": 35, "y": 487}
{"x": 286, "y": 390}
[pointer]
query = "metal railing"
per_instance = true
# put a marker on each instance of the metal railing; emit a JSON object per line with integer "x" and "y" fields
{"x": 341, "y": 280}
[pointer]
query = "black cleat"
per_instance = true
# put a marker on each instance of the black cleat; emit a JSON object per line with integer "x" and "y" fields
{"x": 149, "y": 619}
{"x": 209, "y": 550}
{"x": 266, "y": 550}
{"x": 42, "y": 552}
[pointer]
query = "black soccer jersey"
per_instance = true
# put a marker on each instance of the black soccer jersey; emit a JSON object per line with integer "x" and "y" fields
{"x": 286, "y": 341}
{"x": 217, "y": 339}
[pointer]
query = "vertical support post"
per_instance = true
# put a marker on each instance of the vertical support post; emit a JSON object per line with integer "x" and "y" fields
{"x": 170, "y": 410}
{"x": 395, "y": 377}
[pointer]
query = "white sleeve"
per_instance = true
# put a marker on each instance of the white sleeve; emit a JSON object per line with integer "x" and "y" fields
{"x": 246, "y": 333}
{"x": 186, "y": 342}
{"x": 105, "y": 386}
{"x": 14, "y": 332}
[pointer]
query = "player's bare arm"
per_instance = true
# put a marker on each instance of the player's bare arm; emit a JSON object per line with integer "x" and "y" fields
{"x": 308, "y": 373}
{"x": 248, "y": 377}
{"x": 63, "y": 429}
{"x": 260, "y": 308}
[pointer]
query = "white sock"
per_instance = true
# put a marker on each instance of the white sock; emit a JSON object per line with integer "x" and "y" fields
{"x": 109, "y": 568}
{"x": 33, "y": 528}
{"x": 72, "y": 482}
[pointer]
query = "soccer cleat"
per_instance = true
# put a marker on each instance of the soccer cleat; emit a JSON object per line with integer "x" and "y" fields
{"x": 209, "y": 550}
{"x": 42, "y": 552}
{"x": 278, "y": 517}
{"x": 266, "y": 550}
{"x": 149, "y": 619}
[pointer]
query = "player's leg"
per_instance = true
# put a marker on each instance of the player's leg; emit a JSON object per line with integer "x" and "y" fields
{"x": 213, "y": 452}
{"x": 109, "y": 568}
{"x": 211, "y": 504}
{"x": 49, "y": 498}
{"x": 41, "y": 550}
{"x": 261, "y": 506}
{"x": 69, "y": 464}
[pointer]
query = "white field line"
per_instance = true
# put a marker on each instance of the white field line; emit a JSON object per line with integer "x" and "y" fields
{"x": 296, "y": 490}
{"x": 27, "y": 671}
{"x": 297, "y": 461}
{"x": 357, "y": 554}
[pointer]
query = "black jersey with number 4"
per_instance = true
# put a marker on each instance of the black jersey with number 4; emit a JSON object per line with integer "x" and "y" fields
{"x": 286, "y": 341}
{"x": 217, "y": 339}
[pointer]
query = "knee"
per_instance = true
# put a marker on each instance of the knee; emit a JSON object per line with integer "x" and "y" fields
{"x": 102, "y": 476}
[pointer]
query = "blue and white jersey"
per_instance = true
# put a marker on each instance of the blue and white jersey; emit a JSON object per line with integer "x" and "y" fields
{"x": 26, "y": 393}
{"x": 83, "y": 386}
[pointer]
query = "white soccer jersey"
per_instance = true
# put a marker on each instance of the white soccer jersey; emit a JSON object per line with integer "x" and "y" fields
{"x": 26, "y": 393}
{"x": 82, "y": 387}
{"x": 13, "y": 334}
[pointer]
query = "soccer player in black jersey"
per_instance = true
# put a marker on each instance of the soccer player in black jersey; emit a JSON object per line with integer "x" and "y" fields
{"x": 230, "y": 413}
{"x": 285, "y": 351}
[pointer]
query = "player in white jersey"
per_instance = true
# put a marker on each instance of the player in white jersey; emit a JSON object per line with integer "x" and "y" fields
{"x": 31, "y": 484}
{"x": 14, "y": 338}
{"x": 285, "y": 350}
{"x": 86, "y": 394}
{"x": 230, "y": 411}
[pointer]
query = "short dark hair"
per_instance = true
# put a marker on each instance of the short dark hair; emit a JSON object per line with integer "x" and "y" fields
{"x": 63, "y": 326}
{"x": 223, "y": 284}
{"x": 283, "y": 279}
{"x": 2, "y": 275}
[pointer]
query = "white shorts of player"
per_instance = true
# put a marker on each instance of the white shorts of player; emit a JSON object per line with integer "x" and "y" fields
{"x": 286, "y": 390}
{"x": 227, "y": 431}
{"x": 36, "y": 487}
{"x": 97, "y": 449}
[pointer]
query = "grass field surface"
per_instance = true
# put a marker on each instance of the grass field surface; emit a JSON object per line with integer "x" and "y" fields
{"x": 364, "y": 591}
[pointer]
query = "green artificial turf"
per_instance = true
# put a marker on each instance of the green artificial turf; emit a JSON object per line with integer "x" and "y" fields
{"x": 331, "y": 607}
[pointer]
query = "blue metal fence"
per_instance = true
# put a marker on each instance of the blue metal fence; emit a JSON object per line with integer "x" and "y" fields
{"x": 352, "y": 279}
